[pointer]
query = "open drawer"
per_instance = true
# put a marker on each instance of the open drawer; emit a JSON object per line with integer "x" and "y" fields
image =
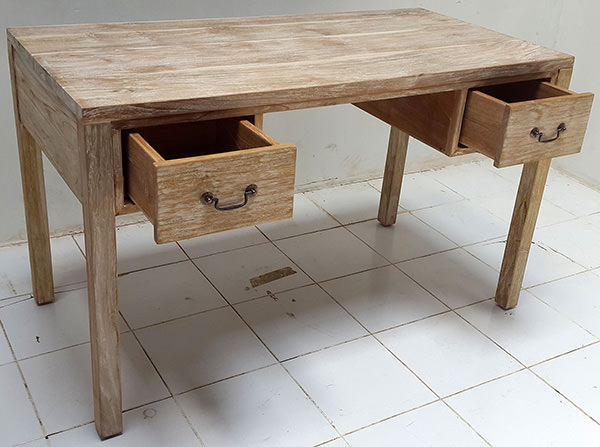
{"x": 203, "y": 177}
{"x": 525, "y": 121}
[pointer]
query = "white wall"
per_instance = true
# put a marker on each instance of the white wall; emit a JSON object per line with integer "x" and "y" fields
{"x": 336, "y": 144}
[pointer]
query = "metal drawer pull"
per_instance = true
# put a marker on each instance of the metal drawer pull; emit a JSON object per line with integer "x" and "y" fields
{"x": 536, "y": 133}
{"x": 209, "y": 198}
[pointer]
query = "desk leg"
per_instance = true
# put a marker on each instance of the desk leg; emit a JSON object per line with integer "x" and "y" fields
{"x": 36, "y": 216}
{"x": 520, "y": 235}
{"x": 101, "y": 257}
{"x": 392, "y": 177}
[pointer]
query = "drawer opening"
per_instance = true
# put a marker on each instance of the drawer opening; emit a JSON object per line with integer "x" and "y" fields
{"x": 183, "y": 140}
{"x": 523, "y": 91}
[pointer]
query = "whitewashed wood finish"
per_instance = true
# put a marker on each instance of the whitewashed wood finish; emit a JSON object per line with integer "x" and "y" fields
{"x": 120, "y": 71}
{"x": 392, "y": 176}
{"x": 435, "y": 119}
{"x": 101, "y": 260}
{"x": 522, "y": 225}
{"x": 103, "y": 78}
{"x": 34, "y": 200}
{"x": 50, "y": 122}
{"x": 169, "y": 191}
{"x": 501, "y": 130}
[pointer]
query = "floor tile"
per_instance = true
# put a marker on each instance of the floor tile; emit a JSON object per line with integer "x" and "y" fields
{"x": 263, "y": 408}
{"x": 434, "y": 425}
{"x": 137, "y": 250}
{"x": 510, "y": 173}
{"x": 251, "y": 272}
{"x": 358, "y": 383}
{"x": 330, "y": 253}
{"x": 210, "y": 244}
{"x": 421, "y": 191}
{"x": 15, "y": 299}
{"x": 383, "y": 298}
{"x": 577, "y": 239}
{"x": 531, "y": 332}
{"x": 531, "y": 413}
{"x": 543, "y": 264}
{"x": 156, "y": 425}
{"x": 299, "y": 321}
{"x": 39, "y": 443}
{"x": 18, "y": 422}
{"x": 163, "y": 293}
{"x": 501, "y": 205}
{"x": 455, "y": 277}
{"x": 463, "y": 222}
{"x": 575, "y": 376}
{"x": 34, "y": 330}
{"x": 335, "y": 443}
{"x": 5, "y": 353}
{"x": 203, "y": 348}
{"x": 409, "y": 238}
{"x": 471, "y": 180}
{"x": 349, "y": 203}
{"x": 68, "y": 266}
{"x": 571, "y": 195}
{"x": 308, "y": 217}
{"x": 469, "y": 358}
{"x": 576, "y": 297}
{"x": 61, "y": 383}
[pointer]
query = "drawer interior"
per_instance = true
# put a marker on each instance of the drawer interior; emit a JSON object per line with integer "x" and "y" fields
{"x": 183, "y": 140}
{"x": 523, "y": 91}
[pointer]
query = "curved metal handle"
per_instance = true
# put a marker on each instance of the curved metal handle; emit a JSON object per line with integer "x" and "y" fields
{"x": 209, "y": 198}
{"x": 536, "y": 133}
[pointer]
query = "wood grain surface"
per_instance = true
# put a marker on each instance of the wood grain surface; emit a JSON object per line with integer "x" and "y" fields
{"x": 498, "y": 122}
{"x": 101, "y": 266}
{"x": 107, "y": 72}
{"x": 169, "y": 189}
{"x": 392, "y": 177}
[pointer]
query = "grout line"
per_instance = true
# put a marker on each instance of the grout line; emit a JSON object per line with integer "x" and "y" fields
{"x": 467, "y": 423}
{"x": 564, "y": 396}
{"x": 563, "y": 354}
{"x": 83, "y": 424}
{"x": 266, "y": 346}
{"x": 303, "y": 233}
{"x": 19, "y": 295}
{"x": 567, "y": 317}
{"x": 24, "y": 382}
{"x": 318, "y": 205}
{"x": 593, "y": 270}
{"x": 503, "y": 376}
{"x": 224, "y": 379}
{"x": 308, "y": 396}
{"x": 77, "y": 245}
{"x": 181, "y": 317}
{"x": 408, "y": 259}
{"x": 162, "y": 380}
{"x": 223, "y": 251}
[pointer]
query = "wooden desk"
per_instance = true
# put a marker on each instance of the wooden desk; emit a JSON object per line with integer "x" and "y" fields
{"x": 105, "y": 103}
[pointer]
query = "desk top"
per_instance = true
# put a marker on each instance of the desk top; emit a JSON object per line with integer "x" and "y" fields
{"x": 108, "y": 72}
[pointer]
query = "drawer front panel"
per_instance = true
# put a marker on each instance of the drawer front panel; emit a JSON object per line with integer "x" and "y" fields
{"x": 503, "y": 130}
{"x": 546, "y": 115}
{"x": 181, "y": 213}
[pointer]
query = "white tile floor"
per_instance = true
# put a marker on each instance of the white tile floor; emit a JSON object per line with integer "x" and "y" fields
{"x": 378, "y": 337}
